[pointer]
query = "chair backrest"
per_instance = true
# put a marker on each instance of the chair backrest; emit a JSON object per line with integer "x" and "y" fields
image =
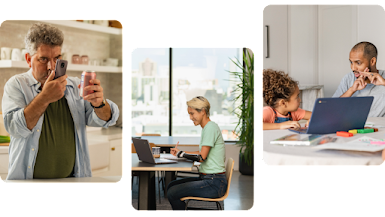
{"x": 155, "y": 134}
{"x": 229, "y": 174}
{"x": 133, "y": 150}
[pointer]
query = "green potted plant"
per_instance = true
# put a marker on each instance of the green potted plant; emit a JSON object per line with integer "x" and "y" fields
{"x": 244, "y": 110}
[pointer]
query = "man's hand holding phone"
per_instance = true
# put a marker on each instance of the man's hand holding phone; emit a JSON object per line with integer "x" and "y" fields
{"x": 53, "y": 90}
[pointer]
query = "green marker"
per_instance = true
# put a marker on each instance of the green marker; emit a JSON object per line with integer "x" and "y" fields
{"x": 365, "y": 131}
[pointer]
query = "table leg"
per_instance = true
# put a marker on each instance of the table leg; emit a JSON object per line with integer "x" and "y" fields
{"x": 169, "y": 176}
{"x": 147, "y": 197}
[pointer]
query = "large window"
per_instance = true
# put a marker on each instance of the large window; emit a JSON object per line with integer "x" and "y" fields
{"x": 195, "y": 72}
{"x": 203, "y": 72}
{"x": 150, "y": 91}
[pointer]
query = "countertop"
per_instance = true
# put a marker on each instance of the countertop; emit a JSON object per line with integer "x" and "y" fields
{"x": 110, "y": 133}
{"x": 72, "y": 179}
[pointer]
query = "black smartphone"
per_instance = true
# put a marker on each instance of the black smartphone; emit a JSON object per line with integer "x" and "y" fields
{"x": 60, "y": 68}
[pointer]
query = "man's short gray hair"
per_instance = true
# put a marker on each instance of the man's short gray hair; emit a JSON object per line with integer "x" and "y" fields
{"x": 41, "y": 33}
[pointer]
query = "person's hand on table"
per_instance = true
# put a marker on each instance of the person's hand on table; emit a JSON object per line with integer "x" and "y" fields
{"x": 175, "y": 150}
{"x": 307, "y": 123}
{"x": 290, "y": 124}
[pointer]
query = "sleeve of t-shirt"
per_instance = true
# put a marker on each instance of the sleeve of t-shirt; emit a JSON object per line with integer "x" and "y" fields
{"x": 209, "y": 136}
{"x": 268, "y": 115}
{"x": 343, "y": 87}
{"x": 298, "y": 115}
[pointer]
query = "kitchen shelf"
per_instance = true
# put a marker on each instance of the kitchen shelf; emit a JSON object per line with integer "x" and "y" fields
{"x": 79, "y": 25}
{"x": 71, "y": 67}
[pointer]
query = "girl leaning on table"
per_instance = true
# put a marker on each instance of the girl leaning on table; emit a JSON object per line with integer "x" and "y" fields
{"x": 281, "y": 94}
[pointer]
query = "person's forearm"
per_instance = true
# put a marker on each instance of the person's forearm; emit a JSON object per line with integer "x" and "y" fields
{"x": 104, "y": 113}
{"x": 34, "y": 110}
{"x": 271, "y": 126}
{"x": 348, "y": 93}
{"x": 192, "y": 152}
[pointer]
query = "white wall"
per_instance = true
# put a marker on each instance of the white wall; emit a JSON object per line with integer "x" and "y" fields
{"x": 303, "y": 47}
{"x": 337, "y": 35}
{"x": 370, "y": 24}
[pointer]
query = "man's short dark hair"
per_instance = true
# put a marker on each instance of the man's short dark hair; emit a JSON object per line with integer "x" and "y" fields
{"x": 368, "y": 48}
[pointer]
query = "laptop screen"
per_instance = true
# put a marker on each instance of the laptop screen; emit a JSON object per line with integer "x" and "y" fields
{"x": 143, "y": 150}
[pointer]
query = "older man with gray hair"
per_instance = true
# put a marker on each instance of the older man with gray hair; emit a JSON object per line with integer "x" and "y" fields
{"x": 47, "y": 118}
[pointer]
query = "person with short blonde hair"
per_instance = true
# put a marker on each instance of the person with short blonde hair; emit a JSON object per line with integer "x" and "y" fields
{"x": 212, "y": 182}
{"x": 200, "y": 103}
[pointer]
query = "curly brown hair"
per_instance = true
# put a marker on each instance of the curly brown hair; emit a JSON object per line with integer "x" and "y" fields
{"x": 277, "y": 85}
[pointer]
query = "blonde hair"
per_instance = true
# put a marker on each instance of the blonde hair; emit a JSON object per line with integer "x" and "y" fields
{"x": 199, "y": 103}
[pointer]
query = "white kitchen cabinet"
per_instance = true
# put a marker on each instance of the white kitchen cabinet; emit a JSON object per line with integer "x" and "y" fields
{"x": 3, "y": 162}
{"x": 105, "y": 150}
{"x": 107, "y": 160}
{"x": 275, "y": 18}
{"x": 115, "y": 168}
{"x": 99, "y": 154}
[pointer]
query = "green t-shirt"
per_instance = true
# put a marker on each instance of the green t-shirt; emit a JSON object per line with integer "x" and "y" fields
{"x": 56, "y": 154}
{"x": 215, "y": 161}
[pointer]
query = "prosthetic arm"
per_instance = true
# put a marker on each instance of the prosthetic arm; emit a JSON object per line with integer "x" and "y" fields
{"x": 194, "y": 157}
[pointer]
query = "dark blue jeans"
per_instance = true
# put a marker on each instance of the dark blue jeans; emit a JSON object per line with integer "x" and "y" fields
{"x": 206, "y": 186}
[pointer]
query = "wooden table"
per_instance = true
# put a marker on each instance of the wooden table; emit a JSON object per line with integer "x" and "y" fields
{"x": 147, "y": 193}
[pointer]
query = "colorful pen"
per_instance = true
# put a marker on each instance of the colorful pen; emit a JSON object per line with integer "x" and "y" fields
{"x": 344, "y": 134}
{"x": 365, "y": 131}
{"x": 377, "y": 142}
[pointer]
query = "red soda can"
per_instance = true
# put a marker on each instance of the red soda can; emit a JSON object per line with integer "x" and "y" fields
{"x": 85, "y": 81}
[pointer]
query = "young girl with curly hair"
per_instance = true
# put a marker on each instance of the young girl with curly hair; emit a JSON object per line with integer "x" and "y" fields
{"x": 281, "y": 94}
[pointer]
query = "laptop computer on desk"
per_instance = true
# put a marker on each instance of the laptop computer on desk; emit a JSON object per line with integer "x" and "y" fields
{"x": 338, "y": 114}
{"x": 143, "y": 150}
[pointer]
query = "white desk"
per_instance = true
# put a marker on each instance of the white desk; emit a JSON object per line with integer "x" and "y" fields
{"x": 71, "y": 179}
{"x": 299, "y": 155}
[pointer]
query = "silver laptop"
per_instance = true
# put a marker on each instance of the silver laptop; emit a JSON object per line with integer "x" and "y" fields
{"x": 143, "y": 150}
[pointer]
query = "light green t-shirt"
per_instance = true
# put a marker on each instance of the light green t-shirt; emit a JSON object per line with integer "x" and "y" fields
{"x": 215, "y": 161}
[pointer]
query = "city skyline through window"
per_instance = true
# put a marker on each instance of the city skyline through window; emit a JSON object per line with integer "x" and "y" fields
{"x": 195, "y": 72}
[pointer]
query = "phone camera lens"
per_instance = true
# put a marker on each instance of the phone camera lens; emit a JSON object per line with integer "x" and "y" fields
{"x": 62, "y": 65}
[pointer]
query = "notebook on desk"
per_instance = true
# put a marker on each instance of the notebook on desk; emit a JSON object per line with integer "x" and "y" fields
{"x": 338, "y": 114}
{"x": 172, "y": 157}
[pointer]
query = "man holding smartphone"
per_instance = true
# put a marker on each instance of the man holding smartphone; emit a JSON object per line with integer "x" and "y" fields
{"x": 46, "y": 117}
